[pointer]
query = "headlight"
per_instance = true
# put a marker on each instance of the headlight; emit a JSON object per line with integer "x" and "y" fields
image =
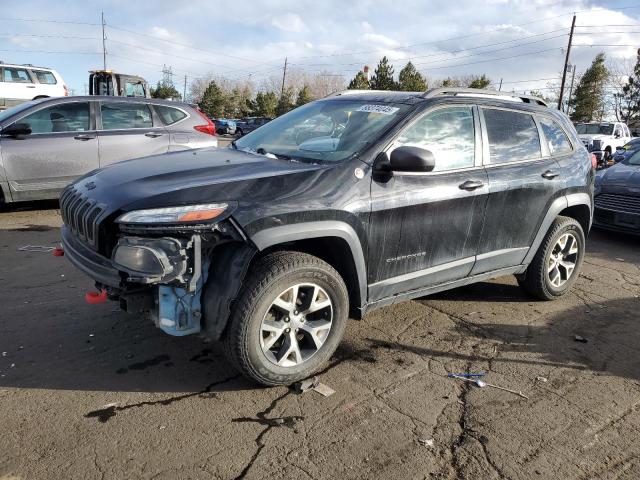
{"x": 186, "y": 213}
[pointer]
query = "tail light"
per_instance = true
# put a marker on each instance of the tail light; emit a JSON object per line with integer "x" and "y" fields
{"x": 66, "y": 91}
{"x": 209, "y": 128}
{"x": 594, "y": 161}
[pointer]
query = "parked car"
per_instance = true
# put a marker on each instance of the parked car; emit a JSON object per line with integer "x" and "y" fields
{"x": 46, "y": 144}
{"x": 270, "y": 245}
{"x": 602, "y": 139}
{"x": 225, "y": 127}
{"x": 627, "y": 150}
{"x": 21, "y": 83}
{"x": 249, "y": 124}
{"x": 617, "y": 196}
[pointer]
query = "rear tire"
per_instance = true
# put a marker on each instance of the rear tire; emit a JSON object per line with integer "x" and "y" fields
{"x": 288, "y": 320}
{"x": 239, "y": 132}
{"x": 557, "y": 262}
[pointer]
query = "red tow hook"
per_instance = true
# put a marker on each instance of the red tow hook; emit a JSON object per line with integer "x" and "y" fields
{"x": 58, "y": 252}
{"x": 94, "y": 298}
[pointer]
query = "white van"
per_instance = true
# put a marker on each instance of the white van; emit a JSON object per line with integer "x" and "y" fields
{"x": 21, "y": 83}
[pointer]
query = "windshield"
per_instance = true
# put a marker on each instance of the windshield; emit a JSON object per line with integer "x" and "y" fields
{"x": 633, "y": 159}
{"x": 594, "y": 129}
{"x": 323, "y": 131}
{"x": 632, "y": 145}
{"x": 9, "y": 112}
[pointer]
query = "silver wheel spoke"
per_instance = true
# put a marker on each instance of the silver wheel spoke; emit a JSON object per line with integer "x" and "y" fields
{"x": 562, "y": 259}
{"x": 291, "y": 335}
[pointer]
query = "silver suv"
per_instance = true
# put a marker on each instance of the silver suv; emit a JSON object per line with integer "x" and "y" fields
{"x": 46, "y": 144}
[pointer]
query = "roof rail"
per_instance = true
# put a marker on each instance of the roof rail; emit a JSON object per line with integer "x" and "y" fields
{"x": 477, "y": 92}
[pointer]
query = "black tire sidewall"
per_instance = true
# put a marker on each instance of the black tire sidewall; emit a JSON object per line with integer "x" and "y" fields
{"x": 337, "y": 293}
{"x": 576, "y": 230}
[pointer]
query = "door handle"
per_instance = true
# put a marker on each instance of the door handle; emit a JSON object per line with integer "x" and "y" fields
{"x": 470, "y": 185}
{"x": 549, "y": 175}
{"x": 31, "y": 86}
{"x": 153, "y": 134}
{"x": 84, "y": 137}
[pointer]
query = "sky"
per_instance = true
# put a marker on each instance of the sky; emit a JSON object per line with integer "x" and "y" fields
{"x": 521, "y": 42}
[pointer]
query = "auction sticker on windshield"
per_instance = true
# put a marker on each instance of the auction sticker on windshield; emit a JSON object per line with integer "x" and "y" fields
{"x": 383, "y": 109}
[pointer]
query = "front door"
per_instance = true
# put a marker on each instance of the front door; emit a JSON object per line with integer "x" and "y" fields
{"x": 424, "y": 227}
{"x": 522, "y": 185}
{"x": 61, "y": 147}
{"x": 129, "y": 130}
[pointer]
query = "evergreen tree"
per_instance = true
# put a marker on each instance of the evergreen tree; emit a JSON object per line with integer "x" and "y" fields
{"x": 304, "y": 96}
{"x": 383, "y": 76}
{"x": 480, "y": 82}
{"x": 285, "y": 102}
{"x": 450, "y": 82}
{"x": 213, "y": 101}
{"x": 628, "y": 102}
{"x": 165, "y": 91}
{"x": 359, "y": 82}
{"x": 589, "y": 97}
{"x": 410, "y": 79}
{"x": 265, "y": 104}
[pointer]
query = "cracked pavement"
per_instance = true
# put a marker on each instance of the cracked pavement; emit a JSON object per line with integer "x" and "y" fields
{"x": 90, "y": 392}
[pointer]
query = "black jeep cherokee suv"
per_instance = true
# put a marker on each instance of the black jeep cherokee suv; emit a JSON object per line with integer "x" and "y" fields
{"x": 271, "y": 244}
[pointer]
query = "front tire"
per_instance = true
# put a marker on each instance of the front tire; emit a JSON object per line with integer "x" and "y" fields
{"x": 288, "y": 320}
{"x": 557, "y": 262}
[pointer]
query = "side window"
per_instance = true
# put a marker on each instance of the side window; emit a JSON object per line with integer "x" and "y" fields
{"x": 66, "y": 117}
{"x": 626, "y": 131}
{"x": 16, "y": 75}
{"x": 121, "y": 115}
{"x": 133, "y": 90}
{"x": 513, "y": 136}
{"x": 169, "y": 115}
{"x": 556, "y": 138}
{"x": 45, "y": 77}
{"x": 448, "y": 133}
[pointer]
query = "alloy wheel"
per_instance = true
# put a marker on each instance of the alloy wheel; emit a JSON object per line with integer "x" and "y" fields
{"x": 296, "y": 325}
{"x": 562, "y": 260}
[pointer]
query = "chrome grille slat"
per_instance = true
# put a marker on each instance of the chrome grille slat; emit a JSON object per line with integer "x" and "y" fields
{"x": 81, "y": 215}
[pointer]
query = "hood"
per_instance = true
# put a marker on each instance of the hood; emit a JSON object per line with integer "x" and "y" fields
{"x": 622, "y": 178}
{"x": 193, "y": 176}
{"x": 591, "y": 137}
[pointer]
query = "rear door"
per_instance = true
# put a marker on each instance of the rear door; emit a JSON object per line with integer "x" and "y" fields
{"x": 61, "y": 147}
{"x": 425, "y": 227}
{"x": 129, "y": 130}
{"x": 47, "y": 83}
{"x": 524, "y": 179}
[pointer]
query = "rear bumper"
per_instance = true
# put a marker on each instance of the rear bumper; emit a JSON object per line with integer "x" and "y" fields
{"x": 88, "y": 261}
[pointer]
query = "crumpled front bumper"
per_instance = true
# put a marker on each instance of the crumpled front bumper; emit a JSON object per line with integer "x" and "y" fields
{"x": 88, "y": 261}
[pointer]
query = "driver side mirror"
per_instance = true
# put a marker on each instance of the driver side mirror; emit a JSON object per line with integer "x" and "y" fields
{"x": 17, "y": 130}
{"x": 412, "y": 159}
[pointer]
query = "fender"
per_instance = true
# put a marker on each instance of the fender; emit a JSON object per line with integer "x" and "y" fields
{"x": 326, "y": 228}
{"x": 558, "y": 205}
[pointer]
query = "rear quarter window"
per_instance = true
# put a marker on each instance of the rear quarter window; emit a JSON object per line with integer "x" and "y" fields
{"x": 45, "y": 77}
{"x": 169, "y": 115}
{"x": 557, "y": 139}
{"x": 513, "y": 136}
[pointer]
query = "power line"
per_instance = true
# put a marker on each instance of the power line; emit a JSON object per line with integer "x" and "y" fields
{"x": 31, "y": 35}
{"x": 68, "y": 22}
{"x": 49, "y": 51}
{"x": 495, "y": 59}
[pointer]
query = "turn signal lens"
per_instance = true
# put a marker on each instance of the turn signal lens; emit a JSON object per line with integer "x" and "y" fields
{"x": 200, "y": 215}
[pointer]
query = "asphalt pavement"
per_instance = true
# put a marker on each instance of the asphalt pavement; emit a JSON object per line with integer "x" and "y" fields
{"x": 87, "y": 391}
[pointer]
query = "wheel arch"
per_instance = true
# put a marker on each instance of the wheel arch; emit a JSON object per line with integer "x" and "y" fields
{"x": 334, "y": 242}
{"x": 38, "y": 97}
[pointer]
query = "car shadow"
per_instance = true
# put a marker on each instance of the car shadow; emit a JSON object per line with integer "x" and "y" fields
{"x": 602, "y": 338}
{"x": 28, "y": 206}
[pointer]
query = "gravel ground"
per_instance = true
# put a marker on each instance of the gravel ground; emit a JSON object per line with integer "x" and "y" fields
{"x": 90, "y": 392}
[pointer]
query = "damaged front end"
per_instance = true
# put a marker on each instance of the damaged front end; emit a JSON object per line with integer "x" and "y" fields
{"x": 164, "y": 262}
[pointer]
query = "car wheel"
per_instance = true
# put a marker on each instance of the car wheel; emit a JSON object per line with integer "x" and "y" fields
{"x": 557, "y": 262}
{"x": 288, "y": 320}
{"x": 239, "y": 132}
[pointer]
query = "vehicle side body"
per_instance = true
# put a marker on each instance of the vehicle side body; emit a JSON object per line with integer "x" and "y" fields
{"x": 391, "y": 236}
{"x": 22, "y": 83}
{"x": 71, "y": 136}
{"x": 627, "y": 150}
{"x": 249, "y": 124}
{"x": 603, "y": 139}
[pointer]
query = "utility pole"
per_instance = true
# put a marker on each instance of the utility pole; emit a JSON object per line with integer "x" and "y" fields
{"x": 284, "y": 75}
{"x": 104, "y": 45}
{"x": 500, "y": 87}
{"x": 184, "y": 92}
{"x": 573, "y": 77}
{"x": 566, "y": 63}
